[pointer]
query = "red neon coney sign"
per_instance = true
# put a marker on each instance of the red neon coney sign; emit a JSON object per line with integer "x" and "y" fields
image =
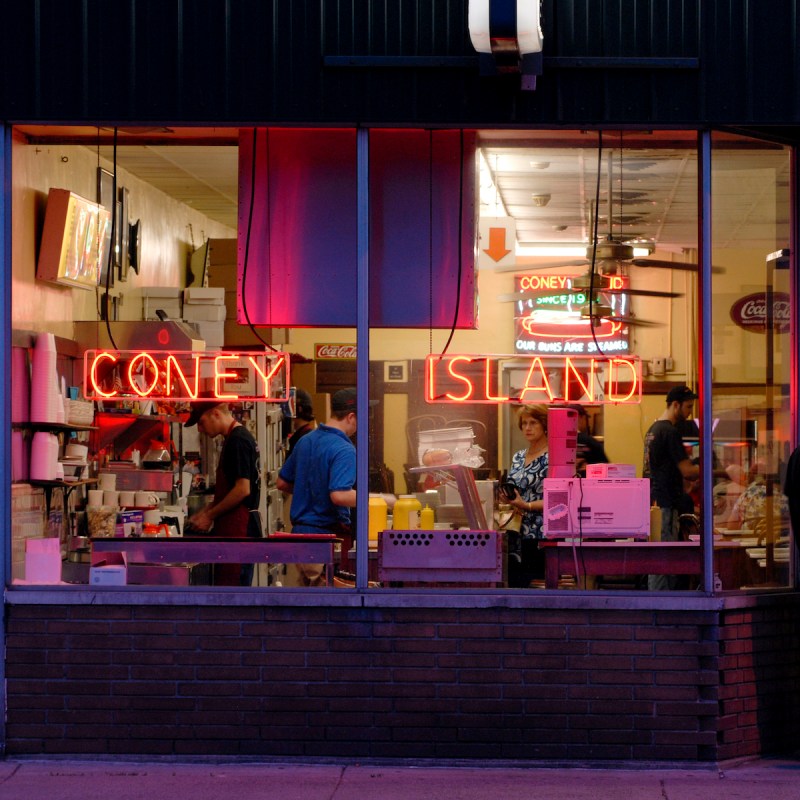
{"x": 534, "y": 379}
{"x": 185, "y": 375}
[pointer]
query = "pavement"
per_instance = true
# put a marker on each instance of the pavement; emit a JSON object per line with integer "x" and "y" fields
{"x": 775, "y": 779}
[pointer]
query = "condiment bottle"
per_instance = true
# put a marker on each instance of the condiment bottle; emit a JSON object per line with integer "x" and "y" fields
{"x": 426, "y": 518}
{"x": 406, "y": 513}
{"x": 378, "y": 514}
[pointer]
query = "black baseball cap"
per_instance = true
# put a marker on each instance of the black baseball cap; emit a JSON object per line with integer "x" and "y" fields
{"x": 680, "y": 394}
{"x": 199, "y": 408}
{"x": 345, "y": 401}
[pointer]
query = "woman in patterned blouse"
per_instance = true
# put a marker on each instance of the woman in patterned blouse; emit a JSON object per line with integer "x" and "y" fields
{"x": 527, "y": 473}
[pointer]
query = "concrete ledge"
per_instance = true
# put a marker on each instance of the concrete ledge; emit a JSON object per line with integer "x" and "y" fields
{"x": 395, "y": 598}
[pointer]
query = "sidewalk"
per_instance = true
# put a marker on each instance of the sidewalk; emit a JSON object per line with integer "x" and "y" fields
{"x": 777, "y": 779}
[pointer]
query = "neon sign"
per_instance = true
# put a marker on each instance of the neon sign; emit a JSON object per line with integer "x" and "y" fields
{"x": 185, "y": 375}
{"x": 547, "y": 379}
{"x": 547, "y": 316}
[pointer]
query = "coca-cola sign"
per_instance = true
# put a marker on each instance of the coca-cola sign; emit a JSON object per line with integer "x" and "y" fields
{"x": 334, "y": 352}
{"x": 750, "y": 312}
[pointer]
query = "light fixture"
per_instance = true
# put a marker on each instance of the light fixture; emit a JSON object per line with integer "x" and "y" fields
{"x": 568, "y": 250}
{"x": 540, "y": 200}
{"x": 552, "y": 249}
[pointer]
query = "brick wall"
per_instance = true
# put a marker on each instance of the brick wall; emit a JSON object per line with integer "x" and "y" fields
{"x": 759, "y": 693}
{"x": 380, "y": 682}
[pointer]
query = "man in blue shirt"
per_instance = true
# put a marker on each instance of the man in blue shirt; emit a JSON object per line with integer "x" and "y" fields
{"x": 320, "y": 474}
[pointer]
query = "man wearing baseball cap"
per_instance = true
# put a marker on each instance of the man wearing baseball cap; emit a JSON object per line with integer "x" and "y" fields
{"x": 237, "y": 486}
{"x": 667, "y": 464}
{"x": 304, "y": 421}
{"x": 320, "y": 474}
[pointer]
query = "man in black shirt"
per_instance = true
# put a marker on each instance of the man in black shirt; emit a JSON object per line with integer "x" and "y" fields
{"x": 667, "y": 464}
{"x": 237, "y": 489}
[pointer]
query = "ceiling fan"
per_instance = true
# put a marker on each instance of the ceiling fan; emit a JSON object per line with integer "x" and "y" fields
{"x": 608, "y": 299}
{"x": 612, "y": 255}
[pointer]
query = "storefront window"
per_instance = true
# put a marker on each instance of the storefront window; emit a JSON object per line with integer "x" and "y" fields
{"x": 456, "y": 396}
{"x": 751, "y": 359}
{"x": 511, "y": 274}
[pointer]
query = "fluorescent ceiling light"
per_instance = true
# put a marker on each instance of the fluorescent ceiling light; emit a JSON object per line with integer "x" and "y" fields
{"x": 551, "y": 249}
{"x": 565, "y": 249}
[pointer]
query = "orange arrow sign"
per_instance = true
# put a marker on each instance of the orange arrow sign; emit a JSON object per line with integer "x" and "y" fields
{"x": 497, "y": 244}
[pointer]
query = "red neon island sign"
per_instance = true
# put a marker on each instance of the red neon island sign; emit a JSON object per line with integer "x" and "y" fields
{"x": 185, "y": 375}
{"x": 533, "y": 379}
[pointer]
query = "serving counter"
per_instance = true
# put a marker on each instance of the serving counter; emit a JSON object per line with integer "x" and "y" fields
{"x": 309, "y": 548}
{"x": 629, "y": 558}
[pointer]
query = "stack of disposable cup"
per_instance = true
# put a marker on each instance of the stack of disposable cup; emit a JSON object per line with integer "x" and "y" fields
{"x": 20, "y": 385}
{"x": 45, "y": 397}
{"x": 20, "y": 457}
{"x": 44, "y": 456}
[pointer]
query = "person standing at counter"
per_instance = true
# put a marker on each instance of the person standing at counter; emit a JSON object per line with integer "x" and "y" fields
{"x": 304, "y": 421}
{"x": 237, "y": 491}
{"x": 527, "y": 474}
{"x": 667, "y": 465}
{"x": 320, "y": 474}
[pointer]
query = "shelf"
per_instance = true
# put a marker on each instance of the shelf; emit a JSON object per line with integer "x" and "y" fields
{"x": 64, "y": 484}
{"x": 68, "y": 486}
{"x": 50, "y": 426}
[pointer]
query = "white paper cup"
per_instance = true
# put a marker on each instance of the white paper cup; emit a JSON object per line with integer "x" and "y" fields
{"x": 108, "y": 481}
{"x": 127, "y": 499}
{"x": 110, "y": 497}
{"x": 144, "y": 499}
{"x": 77, "y": 451}
{"x": 95, "y": 498}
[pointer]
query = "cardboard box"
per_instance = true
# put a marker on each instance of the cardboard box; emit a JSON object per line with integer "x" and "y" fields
{"x": 237, "y": 335}
{"x": 231, "y": 303}
{"x": 304, "y": 376}
{"x": 111, "y": 571}
{"x": 172, "y": 308}
{"x": 213, "y": 296}
{"x": 129, "y": 523}
{"x": 167, "y": 292}
{"x": 204, "y": 313}
{"x": 222, "y": 260}
{"x": 43, "y": 560}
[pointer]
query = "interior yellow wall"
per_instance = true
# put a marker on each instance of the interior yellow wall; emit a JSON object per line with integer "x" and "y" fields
{"x": 624, "y": 426}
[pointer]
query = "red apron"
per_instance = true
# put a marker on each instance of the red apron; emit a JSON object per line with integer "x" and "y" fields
{"x": 232, "y": 524}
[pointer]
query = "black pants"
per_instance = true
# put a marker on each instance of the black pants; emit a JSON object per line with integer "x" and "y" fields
{"x": 525, "y": 561}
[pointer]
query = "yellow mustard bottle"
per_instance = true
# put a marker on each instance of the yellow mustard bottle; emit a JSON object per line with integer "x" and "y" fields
{"x": 406, "y": 513}
{"x": 378, "y": 514}
{"x": 426, "y": 518}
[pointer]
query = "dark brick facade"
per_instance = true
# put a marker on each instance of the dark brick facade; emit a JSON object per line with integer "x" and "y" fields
{"x": 388, "y": 681}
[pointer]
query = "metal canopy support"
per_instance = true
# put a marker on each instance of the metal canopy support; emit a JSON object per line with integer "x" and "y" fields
{"x": 706, "y": 436}
{"x": 5, "y": 403}
{"x": 362, "y": 364}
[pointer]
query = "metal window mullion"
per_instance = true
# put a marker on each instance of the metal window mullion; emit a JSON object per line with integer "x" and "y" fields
{"x": 362, "y": 364}
{"x": 706, "y": 435}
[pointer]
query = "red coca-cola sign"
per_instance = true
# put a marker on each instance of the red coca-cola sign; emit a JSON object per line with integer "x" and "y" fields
{"x": 334, "y": 352}
{"x": 750, "y": 312}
